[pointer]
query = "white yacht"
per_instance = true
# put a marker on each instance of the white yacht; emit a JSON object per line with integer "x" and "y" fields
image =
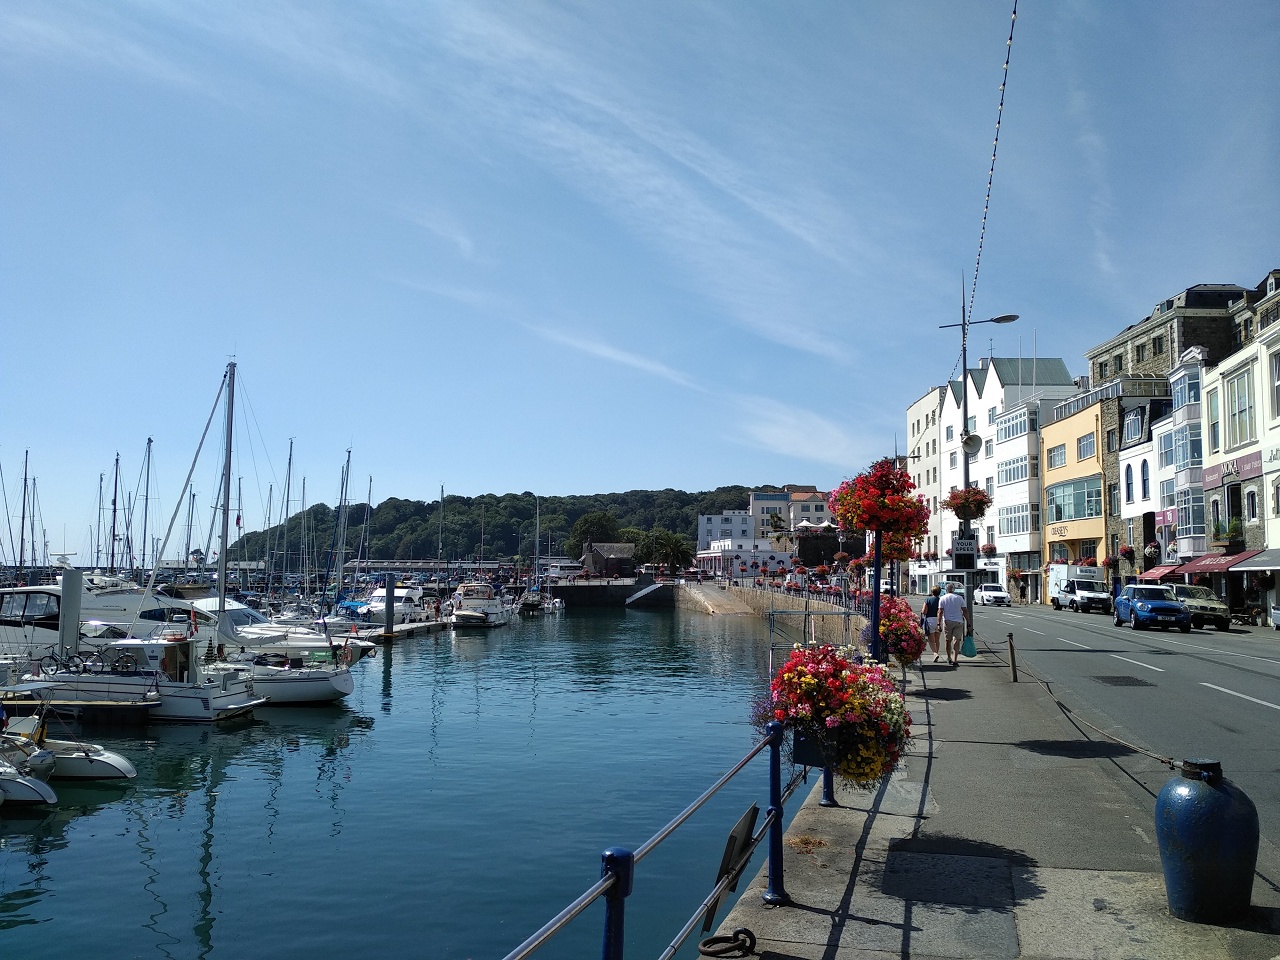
{"x": 408, "y": 605}
{"x": 475, "y": 604}
{"x": 72, "y": 759}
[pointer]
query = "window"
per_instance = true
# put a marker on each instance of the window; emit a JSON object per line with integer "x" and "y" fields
{"x": 804, "y": 508}
{"x": 1133, "y": 426}
{"x": 1164, "y": 450}
{"x": 1113, "y": 499}
{"x": 1057, "y": 456}
{"x": 1275, "y": 499}
{"x": 1187, "y": 448}
{"x": 1186, "y": 389}
{"x": 1275, "y": 384}
{"x": 989, "y": 448}
{"x": 991, "y": 486}
{"x": 1102, "y": 369}
{"x": 1084, "y": 447}
{"x": 1011, "y": 471}
{"x": 1190, "y": 512}
{"x": 819, "y": 507}
{"x": 1238, "y": 394}
{"x": 1074, "y": 499}
{"x": 1035, "y": 466}
{"x": 1146, "y": 481}
{"x": 1088, "y": 548}
{"x": 972, "y": 425}
{"x": 953, "y": 459}
{"x": 1211, "y": 399}
{"x": 1166, "y": 494}
{"x": 1251, "y": 505}
{"x": 1118, "y": 362}
{"x": 1012, "y": 425}
{"x": 1139, "y": 353}
{"x": 991, "y": 414}
{"x": 1157, "y": 346}
{"x": 1113, "y": 440}
{"x": 1128, "y": 483}
{"x": 1058, "y": 551}
{"x": 1020, "y": 518}
{"x": 951, "y": 434}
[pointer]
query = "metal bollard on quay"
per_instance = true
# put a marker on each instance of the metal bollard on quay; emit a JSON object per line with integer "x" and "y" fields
{"x": 1207, "y": 830}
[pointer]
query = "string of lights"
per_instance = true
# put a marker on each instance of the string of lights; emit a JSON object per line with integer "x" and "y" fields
{"x": 995, "y": 146}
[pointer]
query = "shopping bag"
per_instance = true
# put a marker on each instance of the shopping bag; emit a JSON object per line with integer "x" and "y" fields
{"x": 968, "y": 648}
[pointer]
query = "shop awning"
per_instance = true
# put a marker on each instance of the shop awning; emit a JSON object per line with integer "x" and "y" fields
{"x": 1266, "y": 560}
{"x": 1217, "y": 562}
{"x": 1155, "y": 573}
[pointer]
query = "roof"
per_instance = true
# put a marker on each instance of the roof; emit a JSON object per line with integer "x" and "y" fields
{"x": 1042, "y": 371}
{"x": 615, "y": 551}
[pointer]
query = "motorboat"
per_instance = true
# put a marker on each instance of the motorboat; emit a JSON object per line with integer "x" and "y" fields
{"x": 242, "y": 626}
{"x": 475, "y": 604}
{"x": 19, "y": 788}
{"x": 288, "y": 680}
{"x": 69, "y": 759}
{"x": 408, "y": 605}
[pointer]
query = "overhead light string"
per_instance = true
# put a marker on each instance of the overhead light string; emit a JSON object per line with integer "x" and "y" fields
{"x": 995, "y": 145}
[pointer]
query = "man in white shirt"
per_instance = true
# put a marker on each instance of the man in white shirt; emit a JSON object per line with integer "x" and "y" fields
{"x": 955, "y": 616}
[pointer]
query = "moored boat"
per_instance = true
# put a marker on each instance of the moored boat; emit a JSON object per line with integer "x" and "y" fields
{"x": 476, "y": 605}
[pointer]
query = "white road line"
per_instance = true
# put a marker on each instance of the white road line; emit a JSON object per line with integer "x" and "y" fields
{"x": 1225, "y": 653}
{"x": 1240, "y": 695}
{"x": 1036, "y": 632}
{"x": 1138, "y": 663}
{"x": 1074, "y": 644}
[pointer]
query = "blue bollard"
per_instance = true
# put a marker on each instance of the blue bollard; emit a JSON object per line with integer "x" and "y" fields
{"x": 1207, "y": 830}
{"x": 622, "y": 864}
{"x": 828, "y": 788}
{"x": 775, "y": 894}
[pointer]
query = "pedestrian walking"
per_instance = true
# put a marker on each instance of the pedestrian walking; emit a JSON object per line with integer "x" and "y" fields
{"x": 955, "y": 616}
{"x": 931, "y": 619}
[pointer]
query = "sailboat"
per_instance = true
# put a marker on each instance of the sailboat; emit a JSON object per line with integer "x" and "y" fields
{"x": 166, "y": 667}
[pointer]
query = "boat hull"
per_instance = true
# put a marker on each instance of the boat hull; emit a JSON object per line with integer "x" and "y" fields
{"x": 289, "y": 685}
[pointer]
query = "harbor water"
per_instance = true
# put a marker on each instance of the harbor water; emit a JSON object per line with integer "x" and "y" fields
{"x": 454, "y": 803}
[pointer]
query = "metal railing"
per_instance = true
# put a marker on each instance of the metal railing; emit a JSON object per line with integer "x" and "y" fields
{"x": 617, "y": 873}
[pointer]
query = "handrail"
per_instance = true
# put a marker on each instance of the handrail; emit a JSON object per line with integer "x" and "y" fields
{"x": 618, "y": 864}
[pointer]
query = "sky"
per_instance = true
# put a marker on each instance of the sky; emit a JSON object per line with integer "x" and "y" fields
{"x": 572, "y": 247}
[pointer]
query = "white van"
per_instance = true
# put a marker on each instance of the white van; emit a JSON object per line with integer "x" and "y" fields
{"x": 1079, "y": 589}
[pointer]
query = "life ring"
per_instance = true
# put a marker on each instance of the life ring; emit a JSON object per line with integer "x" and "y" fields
{"x": 345, "y": 656}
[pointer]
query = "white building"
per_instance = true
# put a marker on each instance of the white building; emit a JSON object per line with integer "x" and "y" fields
{"x": 723, "y": 526}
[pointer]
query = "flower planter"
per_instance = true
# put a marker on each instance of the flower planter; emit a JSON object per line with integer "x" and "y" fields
{"x": 965, "y": 512}
{"x": 806, "y": 752}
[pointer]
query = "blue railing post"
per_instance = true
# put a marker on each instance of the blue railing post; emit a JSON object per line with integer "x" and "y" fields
{"x": 828, "y": 787}
{"x": 621, "y": 863}
{"x": 775, "y": 894}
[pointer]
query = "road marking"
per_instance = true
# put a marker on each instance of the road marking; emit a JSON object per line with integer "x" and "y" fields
{"x": 1242, "y": 696}
{"x": 1138, "y": 663}
{"x": 1225, "y": 653}
{"x": 1074, "y": 644}
{"x": 1036, "y": 632}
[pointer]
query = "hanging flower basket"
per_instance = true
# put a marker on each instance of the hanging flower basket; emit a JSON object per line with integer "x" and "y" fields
{"x": 1089, "y": 562}
{"x": 883, "y": 500}
{"x": 967, "y": 503}
{"x": 1152, "y": 550}
{"x": 900, "y": 631}
{"x": 1128, "y": 554}
{"x": 988, "y": 549}
{"x": 852, "y": 712}
{"x": 1110, "y": 563}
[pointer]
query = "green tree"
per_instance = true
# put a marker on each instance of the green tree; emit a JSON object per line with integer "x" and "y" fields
{"x": 599, "y": 526}
{"x": 671, "y": 549}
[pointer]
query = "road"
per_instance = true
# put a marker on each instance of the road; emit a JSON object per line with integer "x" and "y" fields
{"x": 1203, "y": 694}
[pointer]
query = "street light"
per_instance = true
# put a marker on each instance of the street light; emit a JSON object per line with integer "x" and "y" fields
{"x": 969, "y": 442}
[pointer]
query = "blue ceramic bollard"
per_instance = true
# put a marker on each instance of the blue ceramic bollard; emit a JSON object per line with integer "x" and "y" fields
{"x": 1207, "y": 830}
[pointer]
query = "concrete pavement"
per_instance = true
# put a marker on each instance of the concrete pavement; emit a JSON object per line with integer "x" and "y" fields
{"x": 1011, "y": 831}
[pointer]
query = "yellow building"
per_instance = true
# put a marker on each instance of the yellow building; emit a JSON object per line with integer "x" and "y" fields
{"x": 1071, "y": 454}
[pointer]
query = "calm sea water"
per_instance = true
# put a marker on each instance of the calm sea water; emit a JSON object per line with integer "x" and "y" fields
{"x": 457, "y": 801}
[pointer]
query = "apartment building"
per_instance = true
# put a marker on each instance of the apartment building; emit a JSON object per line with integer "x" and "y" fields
{"x": 729, "y": 525}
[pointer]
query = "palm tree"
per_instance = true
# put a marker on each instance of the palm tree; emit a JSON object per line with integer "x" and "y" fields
{"x": 671, "y": 549}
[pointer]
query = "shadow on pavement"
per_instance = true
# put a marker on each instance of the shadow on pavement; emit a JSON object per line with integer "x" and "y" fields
{"x": 1076, "y": 749}
{"x": 944, "y": 693}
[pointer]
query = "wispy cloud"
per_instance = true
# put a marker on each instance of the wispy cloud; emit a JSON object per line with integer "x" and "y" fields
{"x": 799, "y": 432}
{"x": 604, "y": 351}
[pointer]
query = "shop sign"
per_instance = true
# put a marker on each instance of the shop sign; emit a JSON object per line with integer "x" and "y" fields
{"x": 1239, "y": 468}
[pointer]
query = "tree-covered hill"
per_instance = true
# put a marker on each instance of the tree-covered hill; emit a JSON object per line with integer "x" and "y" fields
{"x": 415, "y": 530}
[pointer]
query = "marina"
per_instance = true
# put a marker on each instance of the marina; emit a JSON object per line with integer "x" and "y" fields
{"x": 458, "y": 798}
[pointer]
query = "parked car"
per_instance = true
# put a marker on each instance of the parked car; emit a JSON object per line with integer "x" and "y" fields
{"x": 1151, "y": 606}
{"x": 992, "y": 594}
{"x": 1204, "y": 605}
{"x": 1079, "y": 594}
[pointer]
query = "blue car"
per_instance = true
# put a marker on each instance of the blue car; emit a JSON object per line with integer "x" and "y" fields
{"x": 1151, "y": 606}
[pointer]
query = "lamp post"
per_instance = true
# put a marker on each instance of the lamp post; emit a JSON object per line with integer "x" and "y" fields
{"x": 966, "y": 524}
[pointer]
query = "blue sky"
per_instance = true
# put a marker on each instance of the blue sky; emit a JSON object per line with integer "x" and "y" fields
{"x": 581, "y": 247}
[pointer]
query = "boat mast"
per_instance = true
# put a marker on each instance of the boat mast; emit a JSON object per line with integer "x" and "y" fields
{"x": 284, "y": 509}
{"x": 440, "y": 535}
{"x": 226, "y": 496}
{"x": 146, "y": 498}
{"x": 115, "y": 494}
{"x": 97, "y": 541}
{"x": 364, "y": 533}
{"x": 191, "y": 514}
{"x": 22, "y": 521}
{"x": 304, "y": 581}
